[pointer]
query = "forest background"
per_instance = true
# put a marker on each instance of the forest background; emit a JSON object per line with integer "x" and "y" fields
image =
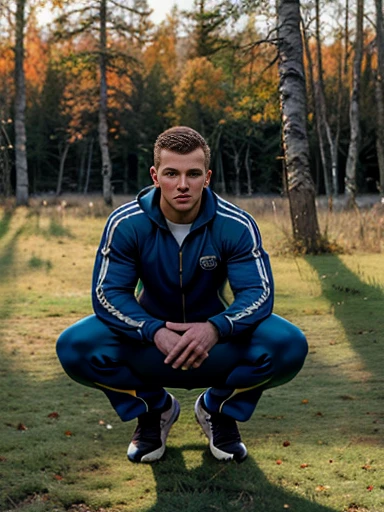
{"x": 214, "y": 67}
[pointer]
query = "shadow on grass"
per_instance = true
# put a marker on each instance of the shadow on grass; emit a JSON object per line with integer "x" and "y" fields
{"x": 220, "y": 486}
{"x": 212, "y": 486}
{"x": 5, "y": 223}
{"x": 359, "y": 308}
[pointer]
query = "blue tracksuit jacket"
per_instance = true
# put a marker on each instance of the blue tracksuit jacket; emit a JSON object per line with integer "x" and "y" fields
{"x": 181, "y": 284}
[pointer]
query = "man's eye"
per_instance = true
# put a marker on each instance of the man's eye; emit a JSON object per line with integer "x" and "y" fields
{"x": 171, "y": 173}
{"x": 195, "y": 174}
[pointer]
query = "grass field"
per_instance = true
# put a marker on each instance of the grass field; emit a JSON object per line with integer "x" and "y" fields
{"x": 315, "y": 444}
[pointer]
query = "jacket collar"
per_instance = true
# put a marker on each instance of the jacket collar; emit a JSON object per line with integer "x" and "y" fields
{"x": 149, "y": 200}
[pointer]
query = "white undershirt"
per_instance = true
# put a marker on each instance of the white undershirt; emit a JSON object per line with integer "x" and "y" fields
{"x": 179, "y": 231}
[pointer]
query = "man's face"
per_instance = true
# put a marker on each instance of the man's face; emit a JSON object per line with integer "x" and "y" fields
{"x": 181, "y": 179}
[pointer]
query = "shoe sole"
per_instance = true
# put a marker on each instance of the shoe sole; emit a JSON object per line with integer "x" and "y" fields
{"x": 201, "y": 418}
{"x": 157, "y": 454}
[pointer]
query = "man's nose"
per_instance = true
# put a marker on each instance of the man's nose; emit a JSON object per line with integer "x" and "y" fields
{"x": 183, "y": 183}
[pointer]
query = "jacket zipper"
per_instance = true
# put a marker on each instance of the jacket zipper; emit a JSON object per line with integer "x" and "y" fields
{"x": 181, "y": 284}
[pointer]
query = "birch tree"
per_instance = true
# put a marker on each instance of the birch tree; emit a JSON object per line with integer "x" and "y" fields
{"x": 22, "y": 193}
{"x": 354, "y": 110}
{"x": 104, "y": 17}
{"x": 301, "y": 190}
{"x": 106, "y": 170}
{"x": 380, "y": 93}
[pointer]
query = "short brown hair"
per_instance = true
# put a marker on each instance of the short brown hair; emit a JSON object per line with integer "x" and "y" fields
{"x": 181, "y": 140}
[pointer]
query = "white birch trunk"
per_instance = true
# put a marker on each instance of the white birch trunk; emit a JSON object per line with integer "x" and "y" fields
{"x": 106, "y": 163}
{"x": 22, "y": 185}
{"x": 354, "y": 111}
{"x": 380, "y": 94}
{"x": 301, "y": 190}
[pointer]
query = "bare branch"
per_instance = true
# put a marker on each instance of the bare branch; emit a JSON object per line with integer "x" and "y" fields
{"x": 131, "y": 9}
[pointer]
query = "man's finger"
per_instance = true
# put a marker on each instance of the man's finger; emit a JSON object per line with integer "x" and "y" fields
{"x": 173, "y": 326}
{"x": 177, "y": 350}
{"x": 183, "y": 357}
{"x": 195, "y": 359}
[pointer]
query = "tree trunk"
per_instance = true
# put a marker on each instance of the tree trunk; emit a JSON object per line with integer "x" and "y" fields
{"x": 103, "y": 125}
{"x": 5, "y": 164}
{"x": 237, "y": 172}
{"x": 220, "y": 177}
{"x": 63, "y": 157}
{"x": 319, "y": 122}
{"x": 83, "y": 148}
{"x": 89, "y": 167}
{"x": 22, "y": 185}
{"x": 301, "y": 190}
{"x": 248, "y": 171}
{"x": 380, "y": 93}
{"x": 354, "y": 110}
{"x": 321, "y": 111}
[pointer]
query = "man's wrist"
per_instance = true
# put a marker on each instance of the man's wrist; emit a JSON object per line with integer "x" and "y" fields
{"x": 215, "y": 329}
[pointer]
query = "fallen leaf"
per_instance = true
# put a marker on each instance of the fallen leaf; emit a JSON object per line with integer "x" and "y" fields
{"x": 286, "y": 505}
{"x": 332, "y": 342}
{"x": 370, "y": 488}
{"x": 319, "y": 413}
{"x": 53, "y": 415}
{"x": 304, "y": 465}
{"x": 21, "y": 426}
{"x": 2, "y": 459}
{"x": 58, "y": 477}
{"x": 366, "y": 467}
{"x": 101, "y": 422}
{"x": 278, "y": 462}
{"x": 286, "y": 443}
{"x": 68, "y": 433}
{"x": 321, "y": 488}
{"x": 305, "y": 401}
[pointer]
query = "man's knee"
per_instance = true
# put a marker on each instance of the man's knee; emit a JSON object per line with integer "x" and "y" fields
{"x": 68, "y": 349}
{"x": 281, "y": 341}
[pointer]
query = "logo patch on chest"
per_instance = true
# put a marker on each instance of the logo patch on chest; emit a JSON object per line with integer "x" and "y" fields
{"x": 208, "y": 262}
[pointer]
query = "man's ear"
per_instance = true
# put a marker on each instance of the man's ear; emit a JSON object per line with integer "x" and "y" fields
{"x": 153, "y": 172}
{"x": 207, "y": 178}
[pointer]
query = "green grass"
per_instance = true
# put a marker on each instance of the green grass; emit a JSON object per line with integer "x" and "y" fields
{"x": 57, "y": 454}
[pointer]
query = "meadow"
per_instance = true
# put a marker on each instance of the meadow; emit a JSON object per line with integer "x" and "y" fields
{"x": 315, "y": 444}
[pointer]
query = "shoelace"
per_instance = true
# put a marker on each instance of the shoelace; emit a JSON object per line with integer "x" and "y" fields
{"x": 148, "y": 427}
{"x": 224, "y": 429}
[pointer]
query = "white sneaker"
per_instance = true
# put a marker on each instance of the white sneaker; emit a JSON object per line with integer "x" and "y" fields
{"x": 224, "y": 438}
{"x": 148, "y": 441}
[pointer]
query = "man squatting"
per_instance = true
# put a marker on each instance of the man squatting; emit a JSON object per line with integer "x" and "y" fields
{"x": 161, "y": 320}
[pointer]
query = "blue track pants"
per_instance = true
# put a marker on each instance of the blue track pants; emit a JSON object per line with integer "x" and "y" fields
{"x": 133, "y": 374}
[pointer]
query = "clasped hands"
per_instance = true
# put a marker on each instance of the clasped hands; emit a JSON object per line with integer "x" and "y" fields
{"x": 186, "y": 345}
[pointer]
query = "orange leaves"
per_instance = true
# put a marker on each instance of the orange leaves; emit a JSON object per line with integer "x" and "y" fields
{"x": 322, "y": 488}
{"x": 162, "y": 50}
{"x": 53, "y": 415}
{"x": 36, "y": 61}
{"x": 201, "y": 84}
